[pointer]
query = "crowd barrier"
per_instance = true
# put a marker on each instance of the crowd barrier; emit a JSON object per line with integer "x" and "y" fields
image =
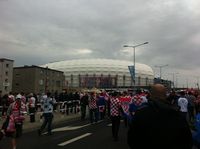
{"x": 64, "y": 107}
{"x": 67, "y": 107}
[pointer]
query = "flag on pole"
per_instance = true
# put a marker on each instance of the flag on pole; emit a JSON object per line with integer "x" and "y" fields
{"x": 132, "y": 71}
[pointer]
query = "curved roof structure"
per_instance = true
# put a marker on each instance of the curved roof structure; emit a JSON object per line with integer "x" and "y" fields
{"x": 99, "y": 65}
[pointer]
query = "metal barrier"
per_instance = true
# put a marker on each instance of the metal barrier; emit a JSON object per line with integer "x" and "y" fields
{"x": 65, "y": 107}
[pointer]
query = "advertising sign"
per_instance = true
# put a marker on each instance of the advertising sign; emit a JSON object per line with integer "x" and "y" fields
{"x": 97, "y": 81}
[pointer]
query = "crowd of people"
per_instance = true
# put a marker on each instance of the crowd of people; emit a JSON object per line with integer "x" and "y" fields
{"x": 163, "y": 118}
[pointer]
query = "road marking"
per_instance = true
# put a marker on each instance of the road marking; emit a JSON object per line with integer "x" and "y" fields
{"x": 109, "y": 125}
{"x": 74, "y": 139}
{"x": 69, "y": 128}
{"x": 72, "y": 127}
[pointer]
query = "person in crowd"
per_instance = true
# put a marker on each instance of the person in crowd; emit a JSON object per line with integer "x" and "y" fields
{"x": 23, "y": 97}
{"x": 70, "y": 103}
{"x": 47, "y": 106}
{"x": 139, "y": 98}
{"x": 32, "y": 107}
{"x": 138, "y": 101}
{"x": 76, "y": 98}
{"x": 63, "y": 97}
{"x": 93, "y": 107}
{"x": 13, "y": 125}
{"x": 107, "y": 97}
{"x": 125, "y": 100}
{"x": 160, "y": 123}
{"x": 101, "y": 102}
{"x": 173, "y": 98}
{"x": 56, "y": 98}
{"x": 197, "y": 102}
{"x": 84, "y": 103}
{"x": 196, "y": 133}
{"x": 11, "y": 98}
{"x": 115, "y": 112}
{"x": 5, "y": 104}
{"x": 191, "y": 106}
{"x": 183, "y": 104}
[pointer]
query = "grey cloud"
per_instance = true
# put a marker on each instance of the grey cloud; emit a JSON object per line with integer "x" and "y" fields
{"x": 36, "y": 32}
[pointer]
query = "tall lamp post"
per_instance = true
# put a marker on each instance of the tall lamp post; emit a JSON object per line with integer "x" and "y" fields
{"x": 173, "y": 79}
{"x": 134, "y": 46}
{"x": 160, "y": 67}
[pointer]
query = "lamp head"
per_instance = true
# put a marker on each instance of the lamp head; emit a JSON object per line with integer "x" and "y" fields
{"x": 126, "y": 46}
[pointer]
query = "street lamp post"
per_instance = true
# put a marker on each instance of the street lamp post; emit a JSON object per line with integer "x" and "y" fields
{"x": 173, "y": 79}
{"x": 45, "y": 87}
{"x": 187, "y": 82}
{"x": 160, "y": 67}
{"x": 134, "y": 46}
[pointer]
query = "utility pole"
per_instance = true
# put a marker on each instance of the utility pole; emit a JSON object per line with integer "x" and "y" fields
{"x": 134, "y": 46}
{"x": 160, "y": 67}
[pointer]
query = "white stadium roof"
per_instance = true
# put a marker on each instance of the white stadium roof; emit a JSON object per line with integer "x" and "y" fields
{"x": 105, "y": 65}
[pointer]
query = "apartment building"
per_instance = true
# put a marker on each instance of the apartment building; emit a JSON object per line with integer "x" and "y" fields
{"x": 35, "y": 79}
{"x": 6, "y": 75}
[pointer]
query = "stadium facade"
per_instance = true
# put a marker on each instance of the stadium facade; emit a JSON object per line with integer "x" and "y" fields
{"x": 102, "y": 73}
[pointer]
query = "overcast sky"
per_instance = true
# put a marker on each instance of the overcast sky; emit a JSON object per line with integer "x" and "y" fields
{"x": 34, "y": 32}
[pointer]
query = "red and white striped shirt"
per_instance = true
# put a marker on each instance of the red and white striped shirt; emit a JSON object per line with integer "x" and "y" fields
{"x": 139, "y": 99}
{"x": 115, "y": 106}
{"x": 92, "y": 102}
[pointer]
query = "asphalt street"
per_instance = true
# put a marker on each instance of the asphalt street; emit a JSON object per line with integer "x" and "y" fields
{"x": 73, "y": 135}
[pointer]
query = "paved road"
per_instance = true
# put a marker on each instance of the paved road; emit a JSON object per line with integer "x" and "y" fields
{"x": 73, "y": 135}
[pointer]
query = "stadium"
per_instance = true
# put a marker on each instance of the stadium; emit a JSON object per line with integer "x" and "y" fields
{"x": 102, "y": 73}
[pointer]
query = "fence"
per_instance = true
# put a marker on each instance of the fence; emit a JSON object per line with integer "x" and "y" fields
{"x": 65, "y": 107}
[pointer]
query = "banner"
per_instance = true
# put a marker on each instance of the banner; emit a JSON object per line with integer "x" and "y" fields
{"x": 98, "y": 81}
{"x": 132, "y": 71}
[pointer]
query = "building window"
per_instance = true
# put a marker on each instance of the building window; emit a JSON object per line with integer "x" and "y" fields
{"x": 41, "y": 71}
{"x": 41, "y": 82}
{"x": 6, "y": 73}
{"x": 17, "y": 84}
{"x": 6, "y": 80}
{"x": 58, "y": 83}
{"x": 17, "y": 74}
{"x": 7, "y": 65}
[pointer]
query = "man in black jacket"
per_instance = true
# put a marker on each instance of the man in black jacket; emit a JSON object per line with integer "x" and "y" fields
{"x": 158, "y": 125}
{"x": 84, "y": 103}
